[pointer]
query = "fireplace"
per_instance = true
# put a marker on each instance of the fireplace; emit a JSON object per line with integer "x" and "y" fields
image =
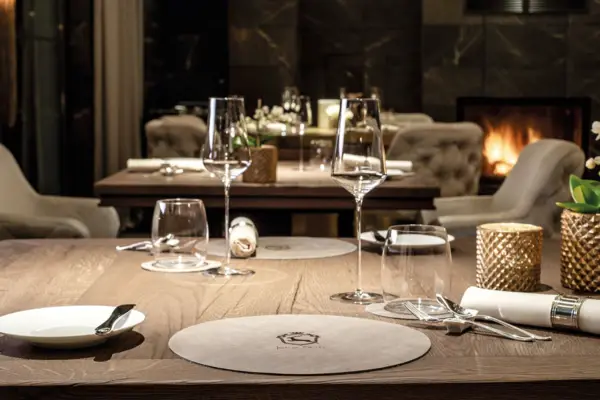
{"x": 509, "y": 124}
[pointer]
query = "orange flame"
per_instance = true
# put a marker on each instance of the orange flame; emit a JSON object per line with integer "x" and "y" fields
{"x": 502, "y": 145}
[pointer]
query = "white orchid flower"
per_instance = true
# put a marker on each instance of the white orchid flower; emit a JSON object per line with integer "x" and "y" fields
{"x": 590, "y": 163}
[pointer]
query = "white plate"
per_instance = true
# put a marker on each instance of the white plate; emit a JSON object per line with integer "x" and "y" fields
{"x": 414, "y": 240}
{"x": 66, "y": 326}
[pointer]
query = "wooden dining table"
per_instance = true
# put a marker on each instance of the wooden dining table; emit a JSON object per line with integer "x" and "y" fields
{"x": 311, "y": 191}
{"x": 139, "y": 365}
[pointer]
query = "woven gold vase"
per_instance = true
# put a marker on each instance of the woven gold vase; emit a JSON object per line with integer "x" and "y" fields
{"x": 264, "y": 165}
{"x": 509, "y": 256}
{"x": 580, "y": 251}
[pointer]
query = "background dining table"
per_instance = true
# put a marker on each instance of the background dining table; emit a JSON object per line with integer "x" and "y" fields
{"x": 139, "y": 365}
{"x": 271, "y": 206}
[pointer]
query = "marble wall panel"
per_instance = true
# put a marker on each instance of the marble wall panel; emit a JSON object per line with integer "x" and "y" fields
{"x": 452, "y": 45}
{"x": 529, "y": 45}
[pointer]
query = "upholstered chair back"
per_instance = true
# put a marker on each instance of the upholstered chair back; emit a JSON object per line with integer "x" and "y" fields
{"x": 175, "y": 136}
{"x": 449, "y": 154}
{"x": 539, "y": 179}
{"x": 16, "y": 194}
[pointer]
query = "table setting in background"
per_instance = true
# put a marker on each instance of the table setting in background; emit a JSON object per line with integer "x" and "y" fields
{"x": 392, "y": 318}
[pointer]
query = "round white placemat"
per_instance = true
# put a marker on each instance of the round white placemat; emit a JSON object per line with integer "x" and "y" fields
{"x": 299, "y": 344}
{"x": 208, "y": 264}
{"x": 290, "y": 248}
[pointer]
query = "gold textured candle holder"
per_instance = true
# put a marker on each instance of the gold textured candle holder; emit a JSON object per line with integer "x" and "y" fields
{"x": 509, "y": 256}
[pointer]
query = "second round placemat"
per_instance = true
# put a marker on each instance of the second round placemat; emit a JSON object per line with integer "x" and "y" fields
{"x": 290, "y": 248}
{"x": 299, "y": 344}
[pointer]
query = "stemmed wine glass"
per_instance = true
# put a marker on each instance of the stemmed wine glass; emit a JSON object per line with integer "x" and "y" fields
{"x": 289, "y": 98}
{"x": 303, "y": 119}
{"x": 359, "y": 166}
{"x": 226, "y": 154}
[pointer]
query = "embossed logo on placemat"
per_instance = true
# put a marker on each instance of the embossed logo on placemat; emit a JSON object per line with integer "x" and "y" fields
{"x": 299, "y": 339}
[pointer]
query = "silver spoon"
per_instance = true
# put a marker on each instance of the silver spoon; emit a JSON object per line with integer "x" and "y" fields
{"x": 146, "y": 244}
{"x": 107, "y": 326}
{"x": 461, "y": 312}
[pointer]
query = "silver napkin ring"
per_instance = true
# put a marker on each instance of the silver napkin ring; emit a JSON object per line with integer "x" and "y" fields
{"x": 565, "y": 312}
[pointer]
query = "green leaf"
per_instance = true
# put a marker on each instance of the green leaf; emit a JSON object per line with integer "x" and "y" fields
{"x": 574, "y": 183}
{"x": 580, "y": 207}
{"x": 589, "y": 194}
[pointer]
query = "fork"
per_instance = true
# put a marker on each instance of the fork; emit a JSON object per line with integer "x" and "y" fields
{"x": 451, "y": 324}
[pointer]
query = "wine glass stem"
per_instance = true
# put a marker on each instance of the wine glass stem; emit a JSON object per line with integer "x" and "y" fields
{"x": 301, "y": 166}
{"x": 227, "y": 244}
{"x": 359, "y": 202}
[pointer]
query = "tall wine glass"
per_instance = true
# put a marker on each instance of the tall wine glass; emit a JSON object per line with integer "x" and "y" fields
{"x": 359, "y": 166}
{"x": 289, "y": 98}
{"x": 303, "y": 120}
{"x": 226, "y": 154}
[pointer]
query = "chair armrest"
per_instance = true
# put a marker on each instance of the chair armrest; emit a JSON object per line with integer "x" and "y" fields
{"x": 473, "y": 220}
{"x": 463, "y": 205}
{"x": 100, "y": 221}
{"x": 21, "y": 226}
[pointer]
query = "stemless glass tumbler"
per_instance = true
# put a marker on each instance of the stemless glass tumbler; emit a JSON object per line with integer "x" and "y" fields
{"x": 226, "y": 154}
{"x": 415, "y": 266}
{"x": 358, "y": 166}
{"x": 179, "y": 233}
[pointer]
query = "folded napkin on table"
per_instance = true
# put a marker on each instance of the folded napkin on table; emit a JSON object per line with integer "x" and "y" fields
{"x": 403, "y": 165}
{"x": 243, "y": 238}
{"x": 154, "y": 164}
{"x": 527, "y": 308}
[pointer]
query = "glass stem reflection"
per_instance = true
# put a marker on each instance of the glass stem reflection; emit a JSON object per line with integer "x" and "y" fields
{"x": 227, "y": 185}
{"x": 359, "y": 201}
{"x": 301, "y": 167}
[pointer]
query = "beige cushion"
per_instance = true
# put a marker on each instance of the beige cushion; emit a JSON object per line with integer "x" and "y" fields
{"x": 175, "y": 136}
{"x": 447, "y": 154}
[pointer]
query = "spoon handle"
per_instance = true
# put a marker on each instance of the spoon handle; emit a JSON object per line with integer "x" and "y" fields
{"x": 500, "y": 332}
{"x": 511, "y": 326}
{"x": 107, "y": 326}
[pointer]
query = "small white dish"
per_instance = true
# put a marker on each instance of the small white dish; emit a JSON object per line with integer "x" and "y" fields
{"x": 412, "y": 240}
{"x": 65, "y": 327}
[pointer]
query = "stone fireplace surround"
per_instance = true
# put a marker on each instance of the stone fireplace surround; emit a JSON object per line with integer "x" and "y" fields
{"x": 505, "y": 56}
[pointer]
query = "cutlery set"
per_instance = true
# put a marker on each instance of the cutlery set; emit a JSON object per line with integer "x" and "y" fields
{"x": 463, "y": 319}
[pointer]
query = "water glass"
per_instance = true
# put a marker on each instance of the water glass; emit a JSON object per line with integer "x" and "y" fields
{"x": 179, "y": 233}
{"x": 415, "y": 266}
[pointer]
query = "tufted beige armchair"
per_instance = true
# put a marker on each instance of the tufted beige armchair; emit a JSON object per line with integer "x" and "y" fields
{"x": 528, "y": 194}
{"x": 25, "y": 214}
{"x": 448, "y": 154}
{"x": 175, "y": 136}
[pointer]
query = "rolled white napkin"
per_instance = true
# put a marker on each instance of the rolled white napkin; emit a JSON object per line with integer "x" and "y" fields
{"x": 527, "y": 308}
{"x": 243, "y": 238}
{"x": 154, "y": 164}
{"x": 403, "y": 165}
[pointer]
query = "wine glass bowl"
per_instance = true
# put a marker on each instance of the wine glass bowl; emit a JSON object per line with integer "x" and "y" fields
{"x": 358, "y": 166}
{"x": 226, "y": 155}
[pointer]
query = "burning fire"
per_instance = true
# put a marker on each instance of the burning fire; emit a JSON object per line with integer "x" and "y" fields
{"x": 502, "y": 145}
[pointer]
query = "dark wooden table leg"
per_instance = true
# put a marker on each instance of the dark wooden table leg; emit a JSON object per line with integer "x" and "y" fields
{"x": 346, "y": 224}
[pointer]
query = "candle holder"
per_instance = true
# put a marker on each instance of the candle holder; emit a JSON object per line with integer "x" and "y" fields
{"x": 509, "y": 256}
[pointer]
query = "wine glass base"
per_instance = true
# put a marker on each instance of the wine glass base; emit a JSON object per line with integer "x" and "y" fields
{"x": 358, "y": 297}
{"x": 428, "y": 306}
{"x": 227, "y": 271}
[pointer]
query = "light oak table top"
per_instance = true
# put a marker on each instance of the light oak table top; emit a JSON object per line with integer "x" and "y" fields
{"x": 38, "y": 273}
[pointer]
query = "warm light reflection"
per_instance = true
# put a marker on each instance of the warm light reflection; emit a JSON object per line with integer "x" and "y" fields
{"x": 503, "y": 143}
